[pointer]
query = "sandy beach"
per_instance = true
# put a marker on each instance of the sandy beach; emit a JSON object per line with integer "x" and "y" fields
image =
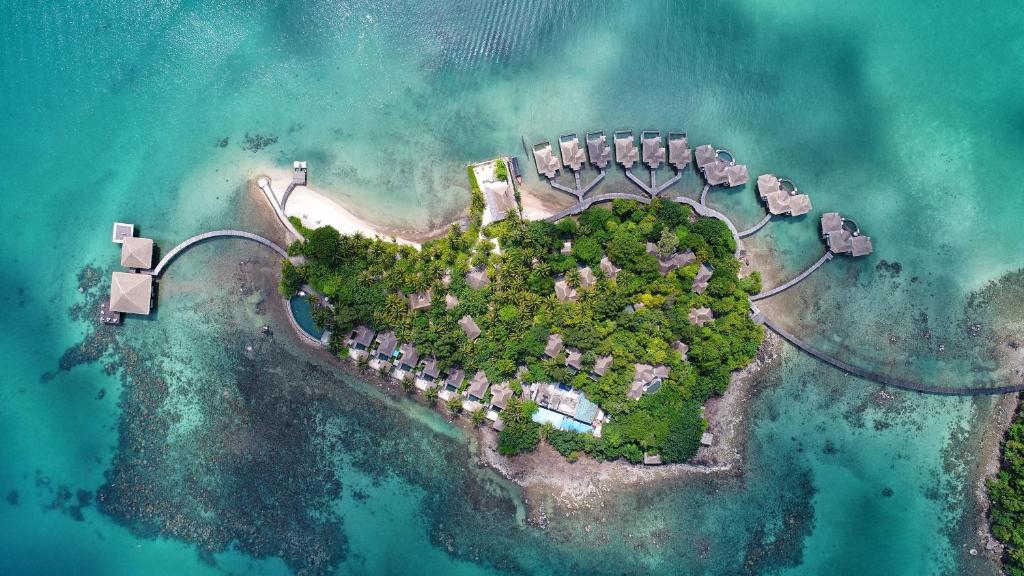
{"x": 538, "y": 205}
{"x": 317, "y": 209}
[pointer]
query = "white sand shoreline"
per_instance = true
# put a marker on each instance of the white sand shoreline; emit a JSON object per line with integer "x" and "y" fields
{"x": 315, "y": 209}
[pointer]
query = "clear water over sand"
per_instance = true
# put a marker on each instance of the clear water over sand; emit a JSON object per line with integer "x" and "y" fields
{"x": 902, "y": 116}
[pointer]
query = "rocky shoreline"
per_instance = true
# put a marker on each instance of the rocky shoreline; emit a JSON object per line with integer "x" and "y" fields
{"x": 548, "y": 479}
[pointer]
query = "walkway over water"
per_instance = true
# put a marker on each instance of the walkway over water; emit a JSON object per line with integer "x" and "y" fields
{"x": 800, "y": 278}
{"x": 753, "y": 229}
{"x": 878, "y": 377}
{"x": 166, "y": 260}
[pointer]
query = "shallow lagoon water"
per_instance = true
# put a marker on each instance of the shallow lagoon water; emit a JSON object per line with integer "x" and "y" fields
{"x": 140, "y": 112}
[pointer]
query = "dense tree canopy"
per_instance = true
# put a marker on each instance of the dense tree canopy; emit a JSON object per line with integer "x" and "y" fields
{"x": 1007, "y": 494}
{"x": 635, "y": 317}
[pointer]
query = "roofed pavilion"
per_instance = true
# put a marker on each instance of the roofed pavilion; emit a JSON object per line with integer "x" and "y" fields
{"x": 131, "y": 293}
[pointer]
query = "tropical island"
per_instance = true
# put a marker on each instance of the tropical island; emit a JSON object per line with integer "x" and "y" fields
{"x": 603, "y": 333}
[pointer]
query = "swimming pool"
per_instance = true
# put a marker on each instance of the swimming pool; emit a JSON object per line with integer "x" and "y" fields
{"x": 545, "y": 416}
{"x": 303, "y": 312}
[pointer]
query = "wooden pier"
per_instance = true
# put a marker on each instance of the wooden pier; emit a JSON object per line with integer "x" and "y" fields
{"x": 878, "y": 377}
{"x": 177, "y": 250}
{"x": 800, "y": 278}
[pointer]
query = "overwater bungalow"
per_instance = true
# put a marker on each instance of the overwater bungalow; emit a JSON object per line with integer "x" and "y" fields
{"x": 720, "y": 167}
{"x": 420, "y": 300}
{"x": 843, "y": 235}
{"x": 678, "y": 150}
{"x": 704, "y": 273}
{"x": 478, "y": 386}
{"x": 598, "y": 150}
{"x": 469, "y": 327}
{"x": 601, "y": 366}
{"x": 700, "y": 316}
{"x": 547, "y": 163}
{"x": 131, "y": 293}
{"x": 653, "y": 149}
{"x": 781, "y": 196}
{"x": 137, "y": 253}
{"x": 408, "y": 357}
{"x": 573, "y": 156}
{"x": 386, "y": 344}
{"x": 626, "y": 152}
{"x": 554, "y": 345}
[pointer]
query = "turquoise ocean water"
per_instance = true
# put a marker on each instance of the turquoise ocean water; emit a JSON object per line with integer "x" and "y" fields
{"x": 188, "y": 443}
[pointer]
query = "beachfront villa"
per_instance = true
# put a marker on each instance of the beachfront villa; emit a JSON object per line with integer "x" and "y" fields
{"x": 408, "y": 357}
{"x": 499, "y": 200}
{"x": 781, "y": 196}
{"x": 431, "y": 369}
{"x": 477, "y": 389}
{"x": 386, "y": 344}
{"x": 452, "y": 383}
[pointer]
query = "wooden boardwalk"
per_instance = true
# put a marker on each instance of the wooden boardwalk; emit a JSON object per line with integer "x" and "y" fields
{"x": 263, "y": 182}
{"x": 881, "y": 378}
{"x": 800, "y": 278}
{"x": 753, "y": 229}
{"x": 170, "y": 256}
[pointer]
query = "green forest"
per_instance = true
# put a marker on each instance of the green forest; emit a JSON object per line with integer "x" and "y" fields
{"x": 1007, "y": 494}
{"x": 369, "y": 280}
